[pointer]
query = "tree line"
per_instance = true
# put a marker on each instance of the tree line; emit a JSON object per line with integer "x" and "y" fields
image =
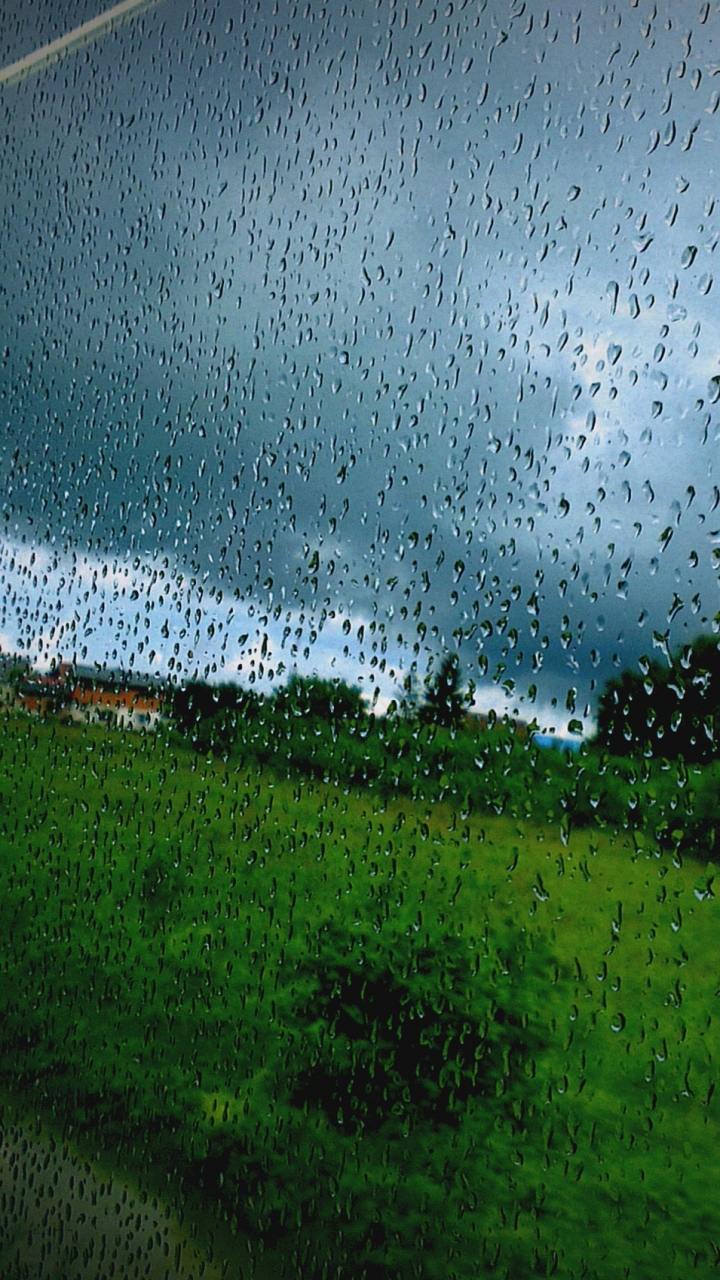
{"x": 211, "y": 713}
{"x": 669, "y": 710}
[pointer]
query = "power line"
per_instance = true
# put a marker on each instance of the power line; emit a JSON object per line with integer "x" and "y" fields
{"x": 49, "y": 52}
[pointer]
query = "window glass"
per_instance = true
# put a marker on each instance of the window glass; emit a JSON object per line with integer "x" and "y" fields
{"x": 359, "y": 629}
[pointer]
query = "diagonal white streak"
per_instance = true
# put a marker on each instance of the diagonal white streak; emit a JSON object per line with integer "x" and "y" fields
{"x": 94, "y": 27}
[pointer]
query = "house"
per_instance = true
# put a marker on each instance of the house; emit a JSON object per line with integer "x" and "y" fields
{"x": 121, "y": 708}
{"x": 34, "y": 699}
{"x": 58, "y": 678}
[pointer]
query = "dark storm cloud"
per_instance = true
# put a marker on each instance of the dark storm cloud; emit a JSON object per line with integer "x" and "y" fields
{"x": 403, "y": 311}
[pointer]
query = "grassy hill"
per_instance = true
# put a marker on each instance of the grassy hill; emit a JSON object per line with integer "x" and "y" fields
{"x": 368, "y": 1036}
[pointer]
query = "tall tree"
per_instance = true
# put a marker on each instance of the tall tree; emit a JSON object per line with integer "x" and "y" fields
{"x": 409, "y": 696}
{"x": 445, "y": 701}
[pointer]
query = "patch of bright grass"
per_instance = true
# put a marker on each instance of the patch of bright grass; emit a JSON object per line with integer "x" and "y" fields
{"x": 198, "y": 966}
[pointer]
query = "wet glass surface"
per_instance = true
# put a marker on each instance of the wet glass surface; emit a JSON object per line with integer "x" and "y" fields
{"x": 359, "y": 546}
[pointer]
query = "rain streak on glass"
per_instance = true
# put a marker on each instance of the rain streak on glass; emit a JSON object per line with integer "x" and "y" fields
{"x": 359, "y": 670}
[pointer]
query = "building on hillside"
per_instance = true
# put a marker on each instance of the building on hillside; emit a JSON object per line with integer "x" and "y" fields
{"x": 119, "y": 708}
{"x": 59, "y": 677}
{"x": 39, "y": 693}
{"x": 34, "y": 699}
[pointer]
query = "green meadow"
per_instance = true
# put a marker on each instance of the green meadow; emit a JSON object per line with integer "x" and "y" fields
{"x": 357, "y": 1035}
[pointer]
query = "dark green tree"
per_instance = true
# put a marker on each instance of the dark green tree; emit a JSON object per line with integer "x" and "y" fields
{"x": 445, "y": 700}
{"x": 313, "y": 696}
{"x": 631, "y": 712}
{"x": 211, "y": 715}
{"x": 666, "y": 711}
{"x": 698, "y": 672}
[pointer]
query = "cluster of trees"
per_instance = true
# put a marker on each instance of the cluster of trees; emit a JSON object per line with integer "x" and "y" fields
{"x": 212, "y": 714}
{"x": 319, "y": 728}
{"x": 430, "y": 749}
{"x": 670, "y": 711}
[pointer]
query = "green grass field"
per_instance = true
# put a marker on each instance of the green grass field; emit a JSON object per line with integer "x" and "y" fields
{"x": 368, "y": 1037}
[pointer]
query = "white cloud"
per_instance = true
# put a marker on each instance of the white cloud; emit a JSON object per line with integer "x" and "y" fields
{"x": 147, "y": 616}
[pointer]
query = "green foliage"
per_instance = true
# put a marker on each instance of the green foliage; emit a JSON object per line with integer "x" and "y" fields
{"x": 329, "y": 700}
{"x": 445, "y": 702}
{"x": 409, "y": 697}
{"x": 400, "y": 1050}
{"x": 318, "y": 729}
{"x": 666, "y": 711}
{"x": 209, "y": 715}
{"x": 405, "y": 1034}
{"x": 380, "y": 1037}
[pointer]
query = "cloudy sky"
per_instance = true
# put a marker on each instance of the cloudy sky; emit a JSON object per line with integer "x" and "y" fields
{"x": 336, "y": 336}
